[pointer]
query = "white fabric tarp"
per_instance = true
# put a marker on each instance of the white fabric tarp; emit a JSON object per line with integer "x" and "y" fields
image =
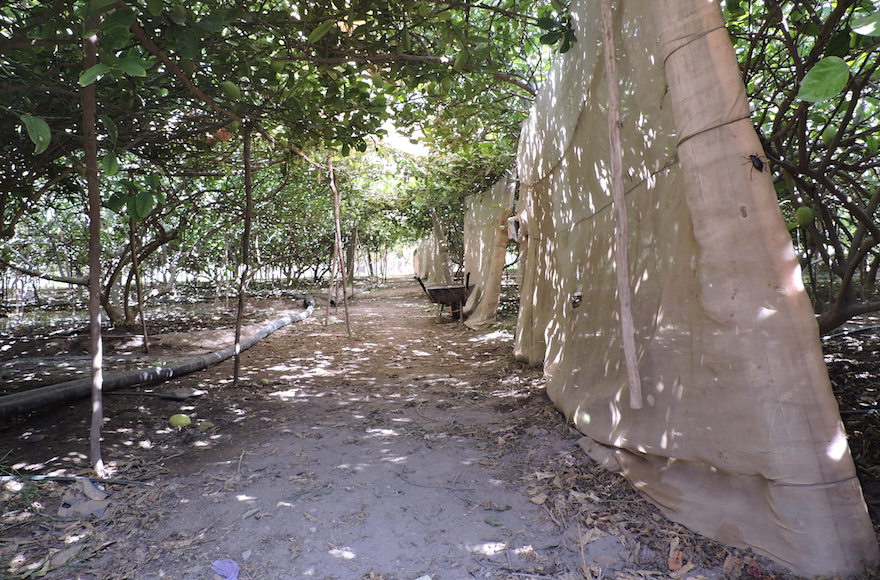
{"x": 739, "y": 435}
{"x": 431, "y": 261}
{"x": 485, "y": 245}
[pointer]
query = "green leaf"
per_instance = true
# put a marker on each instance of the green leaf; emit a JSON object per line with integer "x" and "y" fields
{"x": 547, "y": 23}
{"x": 551, "y": 37}
{"x": 867, "y": 26}
{"x": 873, "y": 144}
{"x": 143, "y": 203}
{"x": 99, "y": 6}
{"x": 810, "y": 29}
{"x": 120, "y": 17}
{"x": 116, "y": 202}
{"x": 567, "y": 41}
{"x": 115, "y": 38}
{"x": 735, "y": 8}
{"x": 187, "y": 41}
{"x": 155, "y": 7}
{"x": 110, "y": 164}
{"x": 38, "y": 131}
{"x": 178, "y": 14}
{"x": 152, "y": 181}
{"x": 230, "y": 90}
{"x": 110, "y": 127}
{"x": 212, "y": 23}
{"x": 319, "y": 32}
{"x": 839, "y": 45}
{"x": 825, "y": 80}
{"x": 93, "y": 73}
{"x": 132, "y": 66}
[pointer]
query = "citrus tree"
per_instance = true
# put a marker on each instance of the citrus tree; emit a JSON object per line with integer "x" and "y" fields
{"x": 811, "y": 70}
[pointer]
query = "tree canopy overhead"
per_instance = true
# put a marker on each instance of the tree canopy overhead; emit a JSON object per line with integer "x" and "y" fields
{"x": 174, "y": 78}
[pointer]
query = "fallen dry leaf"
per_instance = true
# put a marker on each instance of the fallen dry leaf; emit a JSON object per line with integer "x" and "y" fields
{"x": 591, "y": 535}
{"x": 676, "y": 560}
{"x": 684, "y": 570}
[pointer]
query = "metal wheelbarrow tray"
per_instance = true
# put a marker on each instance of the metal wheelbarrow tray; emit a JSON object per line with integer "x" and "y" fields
{"x": 452, "y": 295}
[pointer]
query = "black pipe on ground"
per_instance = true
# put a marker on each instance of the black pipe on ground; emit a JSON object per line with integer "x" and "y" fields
{"x": 25, "y": 401}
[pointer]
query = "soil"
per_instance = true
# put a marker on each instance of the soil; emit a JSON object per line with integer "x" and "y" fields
{"x": 413, "y": 449}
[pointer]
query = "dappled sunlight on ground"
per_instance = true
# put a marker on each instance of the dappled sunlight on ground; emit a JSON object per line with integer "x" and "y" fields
{"x": 413, "y": 448}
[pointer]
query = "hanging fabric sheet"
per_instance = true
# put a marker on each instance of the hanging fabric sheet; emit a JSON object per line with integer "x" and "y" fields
{"x": 739, "y": 436}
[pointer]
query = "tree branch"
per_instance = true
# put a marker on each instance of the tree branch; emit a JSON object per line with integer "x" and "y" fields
{"x": 84, "y": 281}
{"x": 394, "y": 57}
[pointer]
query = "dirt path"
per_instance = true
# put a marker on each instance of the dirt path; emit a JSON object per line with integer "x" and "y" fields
{"x": 413, "y": 450}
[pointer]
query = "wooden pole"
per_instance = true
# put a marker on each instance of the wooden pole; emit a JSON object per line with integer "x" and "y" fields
{"x": 621, "y": 244}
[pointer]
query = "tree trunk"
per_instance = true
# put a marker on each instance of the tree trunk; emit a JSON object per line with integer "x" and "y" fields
{"x": 137, "y": 281}
{"x": 337, "y": 203}
{"x": 351, "y": 254}
{"x": 245, "y": 243}
{"x": 90, "y": 151}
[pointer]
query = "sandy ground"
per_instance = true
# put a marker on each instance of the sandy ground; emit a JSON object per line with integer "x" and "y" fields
{"x": 411, "y": 450}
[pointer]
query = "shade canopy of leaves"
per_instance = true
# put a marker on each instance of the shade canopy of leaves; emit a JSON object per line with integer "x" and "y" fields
{"x": 175, "y": 82}
{"x": 310, "y": 75}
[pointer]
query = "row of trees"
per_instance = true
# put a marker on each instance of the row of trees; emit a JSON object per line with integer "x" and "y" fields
{"x": 175, "y": 85}
{"x": 156, "y": 115}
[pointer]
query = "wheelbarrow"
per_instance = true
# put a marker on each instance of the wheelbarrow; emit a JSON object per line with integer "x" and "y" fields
{"x": 452, "y": 295}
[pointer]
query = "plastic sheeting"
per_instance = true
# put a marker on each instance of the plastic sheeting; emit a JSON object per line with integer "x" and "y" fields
{"x": 485, "y": 244}
{"x": 739, "y": 436}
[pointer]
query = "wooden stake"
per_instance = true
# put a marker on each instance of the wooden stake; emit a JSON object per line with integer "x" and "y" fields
{"x": 621, "y": 243}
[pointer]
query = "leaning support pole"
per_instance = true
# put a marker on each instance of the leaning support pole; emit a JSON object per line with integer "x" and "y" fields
{"x": 19, "y": 403}
{"x": 621, "y": 244}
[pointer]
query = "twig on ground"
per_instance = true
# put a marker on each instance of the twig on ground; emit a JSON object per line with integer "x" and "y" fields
{"x": 434, "y": 486}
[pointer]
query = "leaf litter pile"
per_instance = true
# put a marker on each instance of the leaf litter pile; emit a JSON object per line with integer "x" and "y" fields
{"x": 413, "y": 451}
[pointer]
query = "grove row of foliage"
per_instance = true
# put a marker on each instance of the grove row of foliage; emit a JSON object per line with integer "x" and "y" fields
{"x": 178, "y": 84}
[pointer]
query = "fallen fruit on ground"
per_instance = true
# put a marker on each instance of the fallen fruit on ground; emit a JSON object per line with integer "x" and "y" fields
{"x": 179, "y": 420}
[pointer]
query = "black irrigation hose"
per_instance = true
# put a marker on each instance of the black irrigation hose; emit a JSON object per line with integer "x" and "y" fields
{"x": 25, "y": 401}
{"x": 848, "y": 332}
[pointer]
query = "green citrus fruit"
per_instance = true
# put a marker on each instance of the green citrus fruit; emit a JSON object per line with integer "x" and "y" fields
{"x": 179, "y": 420}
